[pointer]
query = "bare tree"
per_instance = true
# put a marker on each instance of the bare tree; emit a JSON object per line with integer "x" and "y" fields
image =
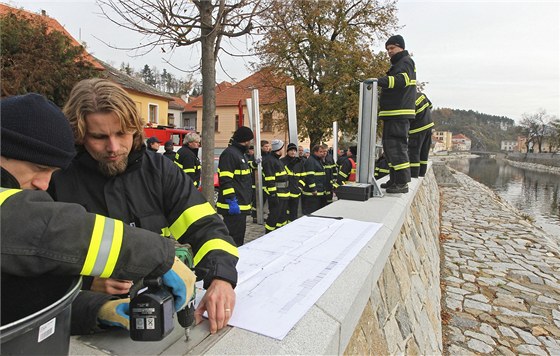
{"x": 535, "y": 127}
{"x": 168, "y": 24}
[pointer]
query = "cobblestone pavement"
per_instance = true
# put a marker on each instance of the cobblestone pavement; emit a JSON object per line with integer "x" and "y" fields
{"x": 500, "y": 277}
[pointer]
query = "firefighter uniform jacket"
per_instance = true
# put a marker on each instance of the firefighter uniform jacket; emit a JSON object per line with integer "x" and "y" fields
{"x": 398, "y": 89}
{"x": 155, "y": 195}
{"x": 330, "y": 173}
{"x": 45, "y": 244}
{"x": 275, "y": 176}
{"x": 423, "y": 119}
{"x": 314, "y": 178}
{"x": 187, "y": 159}
{"x": 294, "y": 167}
{"x": 235, "y": 179}
{"x": 346, "y": 170}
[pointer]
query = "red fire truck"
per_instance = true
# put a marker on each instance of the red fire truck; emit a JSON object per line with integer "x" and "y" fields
{"x": 166, "y": 133}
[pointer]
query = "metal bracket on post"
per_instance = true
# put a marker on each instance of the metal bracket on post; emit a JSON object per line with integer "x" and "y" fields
{"x": 367, "y": 134}
{"x": 257, "y": 131}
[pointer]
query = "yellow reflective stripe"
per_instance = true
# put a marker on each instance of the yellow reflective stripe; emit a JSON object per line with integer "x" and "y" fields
{"x": 226, "y": 207}
{"x": 283, "y": 195}
{"x": 179, "y": 164}
{"x": 301, "y": 182}
{"x": 420, "y": 99}
{"x": 195, "y": 184}
{"x": 269, "y": 228}
{"x": 423, "y": 162}
{"x": 213, "y": 245}
{"x": 344, "y": 175}
{"x": 165, "y": 232}
{"x": 271, "y": 189}
{"x": 425, "y": 127}
{"x": 269, "y": 178}
{"x": 115, "y": 249}
{"x": 319, "y": 173}
{"x": 406, "y": 78}
{"x": 418, "y": 111}
{"x": 397, "y": 112}
{"x": 398, "y": 167}
{"x": 312, "y": 185}
{"x": 283, "y": 173}
{"x": 241, "y": 172}
{"x": 228, "y": 191}
{"x": 391, "y": 82}
{"x": 189, "y": 217}
{"x": 189, "y": 170}
{"x": 6, "y": 193}
{"x": 415, "y": 164}
{"x": 96, "y": 237}
{"x": 225, "y": 174}
{"x": 382, "y": 170}
{"x": 295, "y": 195}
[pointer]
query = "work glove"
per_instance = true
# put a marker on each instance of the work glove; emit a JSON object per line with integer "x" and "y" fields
{"x": 180, "y": 280}
{"x": 258, "y": 160}
{"x": 233, "y": 206}
{"x": 115, "y": 313}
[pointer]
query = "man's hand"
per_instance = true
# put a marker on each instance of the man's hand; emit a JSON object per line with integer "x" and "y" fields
{"x": 115, "y": 313}
{"x": 314, "y": 193}
{"x": 110, "y": 285}
{"x": 219, "y": 302}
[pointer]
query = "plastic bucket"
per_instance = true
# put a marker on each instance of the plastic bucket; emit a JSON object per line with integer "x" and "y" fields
{"x": 46, "y": 332}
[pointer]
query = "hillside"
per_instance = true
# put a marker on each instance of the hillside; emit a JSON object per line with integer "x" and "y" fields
{"x": 485, "y": 131}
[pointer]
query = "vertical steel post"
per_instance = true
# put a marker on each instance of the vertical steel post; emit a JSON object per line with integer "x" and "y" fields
{"x": 367, "y": 133}
{"x": 292, "y": 114}
{"x": 249, "y": 104}
{"x": 335, "y": 140}
{"x": 258, "y": 154}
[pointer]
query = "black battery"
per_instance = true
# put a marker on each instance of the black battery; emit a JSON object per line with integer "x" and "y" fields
{"x": 354, "y": 191}
{"x": 152, "y": 314}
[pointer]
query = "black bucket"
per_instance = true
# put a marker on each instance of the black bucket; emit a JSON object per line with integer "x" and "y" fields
{"x": 46, "y": 332}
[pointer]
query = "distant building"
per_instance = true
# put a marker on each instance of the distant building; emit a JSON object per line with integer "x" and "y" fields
{"x": 445, "y": 137}
{"x": 522, "y": 144}
{"x": 438, "y": 145}
{"x": 509, "y": 146}
{"x": 461, "y": 143}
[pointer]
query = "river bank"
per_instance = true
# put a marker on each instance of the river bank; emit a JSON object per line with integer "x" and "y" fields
{"x": 534, "y": 166}
{"x": 500, "y": 276}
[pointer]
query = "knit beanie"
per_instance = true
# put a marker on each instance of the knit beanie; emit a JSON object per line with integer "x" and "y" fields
{"x": 277, "y": 145}
{"x": 34, "y": 129}
{"x": 396, "y": 40}
{"x": 243, "y": 134}
{"x": 292, "y": 146}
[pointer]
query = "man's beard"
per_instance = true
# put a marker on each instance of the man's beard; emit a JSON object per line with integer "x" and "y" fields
{"x": 111, "y": 169}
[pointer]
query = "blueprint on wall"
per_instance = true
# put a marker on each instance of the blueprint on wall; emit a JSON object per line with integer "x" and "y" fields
{"x": 282, "y": 274}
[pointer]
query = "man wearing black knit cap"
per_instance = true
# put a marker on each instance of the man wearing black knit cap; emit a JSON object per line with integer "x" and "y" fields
{"x": 235, "y": 196}
{"x": 396, "y": 107}
{"x": 46, "y": 244}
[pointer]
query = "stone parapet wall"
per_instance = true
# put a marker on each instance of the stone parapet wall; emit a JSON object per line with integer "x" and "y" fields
{"x": 403, "y": 313}
{"x": 546, "y": 159}
{"x": 534, "y": 166}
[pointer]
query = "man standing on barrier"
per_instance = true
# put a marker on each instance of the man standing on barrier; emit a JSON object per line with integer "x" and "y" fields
{"x": 396, "y": 108}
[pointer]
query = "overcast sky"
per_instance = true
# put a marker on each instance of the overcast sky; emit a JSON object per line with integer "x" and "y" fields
{"x": 495, "y": 57}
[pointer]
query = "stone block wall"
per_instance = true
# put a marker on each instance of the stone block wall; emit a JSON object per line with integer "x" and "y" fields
{"x": 403, "y": 314}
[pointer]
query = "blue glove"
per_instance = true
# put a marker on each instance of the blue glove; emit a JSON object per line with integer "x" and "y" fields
{"x": 180, "y": 280}
{"x": 115, "y": 313}
{"x": 233, "y": 206}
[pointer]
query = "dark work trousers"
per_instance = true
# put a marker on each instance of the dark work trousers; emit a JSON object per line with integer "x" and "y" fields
{"x": 276, "y": 214}
{"x": 310, "y": 204}
{"x": 293, "y": 205}
{"x": 236, "y": 224}
{"x": 395, "y": 148}
{"x": 418, "y": 151}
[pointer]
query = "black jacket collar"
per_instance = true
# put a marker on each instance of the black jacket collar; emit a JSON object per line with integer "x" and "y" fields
{"x": 8, "y": 180}
{"x": 397, "y": 57}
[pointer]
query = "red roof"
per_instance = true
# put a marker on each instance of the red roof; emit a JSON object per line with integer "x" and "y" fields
{"x": 53, "y": 25}
{"x": 271, "y": 90}
{"x": 460, "y": 137}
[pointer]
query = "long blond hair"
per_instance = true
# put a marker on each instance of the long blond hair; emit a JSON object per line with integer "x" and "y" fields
{"x": 99, "y": 95}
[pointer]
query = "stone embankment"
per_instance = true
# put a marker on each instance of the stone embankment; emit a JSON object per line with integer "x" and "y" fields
{"x": 500, "y": 276}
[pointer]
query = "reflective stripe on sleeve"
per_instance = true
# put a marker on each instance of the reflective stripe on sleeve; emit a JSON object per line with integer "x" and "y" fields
{"x": 212, "y": 245}
{"x": 104, "y": 247}
{"x": 5, "y": 193}
{"x": 189, "y": 217}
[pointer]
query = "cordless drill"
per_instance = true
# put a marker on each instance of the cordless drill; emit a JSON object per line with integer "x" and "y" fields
{"x": 151, "y": 308}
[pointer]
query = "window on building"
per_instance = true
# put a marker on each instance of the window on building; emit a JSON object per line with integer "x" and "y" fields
{"x": 267, "y": 122}
{"x": 216, "y": 122}
{"x": 153, "y": 113}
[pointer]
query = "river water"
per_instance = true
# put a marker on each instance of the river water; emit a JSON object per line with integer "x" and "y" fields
{"x": 532, "y": 192}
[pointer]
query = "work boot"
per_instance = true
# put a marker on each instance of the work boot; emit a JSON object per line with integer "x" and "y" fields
{"x": 386, "y": 184}
{"x": 398, "y": 188}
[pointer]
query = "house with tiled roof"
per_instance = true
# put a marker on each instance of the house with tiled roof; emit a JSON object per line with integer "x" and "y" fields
{"x": 152, "y": 103}
{"x": 461, "y": 142}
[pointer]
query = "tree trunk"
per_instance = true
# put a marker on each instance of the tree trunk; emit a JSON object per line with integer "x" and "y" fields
{"x": 208, "y": 100}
